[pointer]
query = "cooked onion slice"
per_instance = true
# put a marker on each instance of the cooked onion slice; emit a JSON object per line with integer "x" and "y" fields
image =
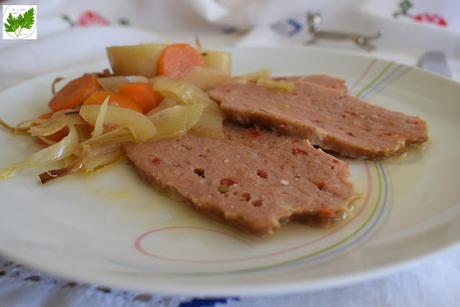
{"x": 140, "y": 125}
{"x": 277, "y": 85}
{"x": 49, "y": 175}
{"x": 56, "y": 123}
{"x": 53, "y": 85}
{"x": 178, "y": 90}
{"x": 7, "y": 126}
{"x": 74, "y": 165}
{"x": 100, "y": 157}
{"x": 22, "y": 127}
{"x": 113, "y": 83}
{"x": 116, "y": 136}
{"x": 99, "y": 125}
{"x": 254, "y": 76}
{"x": 210, "y": 119}
{"x": 89, "y": 159}
{"x": 45, "y": 140}
{"x": 58, "y": 151}
{"x": 177, "y": 120}
{"x": 210, "y": 123}
{"x": 165, "y": 104}
{"x": 206, "y": 78}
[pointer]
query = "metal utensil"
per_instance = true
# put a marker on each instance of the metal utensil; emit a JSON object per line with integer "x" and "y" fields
{"x": 314, "y": 21}
{"x": 436, "y": 62}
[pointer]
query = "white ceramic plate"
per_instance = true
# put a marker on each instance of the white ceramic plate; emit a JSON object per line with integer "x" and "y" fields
{"x": 110, "y": 228}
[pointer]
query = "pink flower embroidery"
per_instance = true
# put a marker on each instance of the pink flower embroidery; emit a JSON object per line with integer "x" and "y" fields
{"x": 406, "y": 6}
{"x": 431, "y": 18}
{"x": 89, "y": 18}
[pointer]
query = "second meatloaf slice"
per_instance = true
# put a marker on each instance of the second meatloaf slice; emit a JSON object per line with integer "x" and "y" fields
{"x": 329, "y": 118}
{"x": 254, "y": 180}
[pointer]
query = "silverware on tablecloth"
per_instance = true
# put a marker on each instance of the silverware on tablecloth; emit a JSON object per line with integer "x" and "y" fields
{"x": 435, "y": 61}
{"x": 362, "y": 40}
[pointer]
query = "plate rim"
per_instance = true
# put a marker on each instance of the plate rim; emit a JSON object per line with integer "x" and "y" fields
{"x": 256, "y": 290}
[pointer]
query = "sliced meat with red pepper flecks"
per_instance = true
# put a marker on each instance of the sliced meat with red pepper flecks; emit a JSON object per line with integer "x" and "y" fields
{"x": 252, "y": 179}
{"x": 327, "y": 117}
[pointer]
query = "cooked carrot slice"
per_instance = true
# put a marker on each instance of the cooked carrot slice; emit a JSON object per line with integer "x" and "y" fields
{"x": 55, "y": 137}
{"x": 115, "y": 100}
{"x": 142, "y": 93}
{"x": 177, "y": 60}
{"x": 74, "y": 93}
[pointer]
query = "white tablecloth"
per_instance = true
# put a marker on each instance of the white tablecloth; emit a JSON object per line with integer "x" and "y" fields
{"x": 77, "y": 32}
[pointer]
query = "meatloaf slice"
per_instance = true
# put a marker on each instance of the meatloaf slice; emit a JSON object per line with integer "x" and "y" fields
{"x": 329, "y": 118}
{"x": 253, "y": 179}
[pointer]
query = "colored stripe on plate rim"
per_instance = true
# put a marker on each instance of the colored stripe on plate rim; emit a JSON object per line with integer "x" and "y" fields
{"x": 141, "y": 249}
{"x": 353, "y": 240}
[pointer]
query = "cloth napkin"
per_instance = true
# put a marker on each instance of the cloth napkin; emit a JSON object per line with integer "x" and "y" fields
{"x": 71, "y": 33}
